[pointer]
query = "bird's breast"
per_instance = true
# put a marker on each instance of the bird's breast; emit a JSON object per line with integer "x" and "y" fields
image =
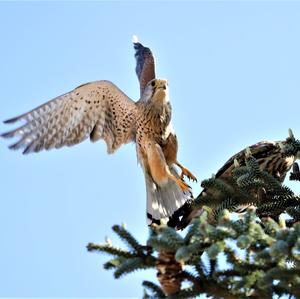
{"x": 153, "y": 123}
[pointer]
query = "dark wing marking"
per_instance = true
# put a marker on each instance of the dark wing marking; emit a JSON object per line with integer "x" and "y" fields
{"x": 145, "y": 64}
{"x": 98, "y": 110}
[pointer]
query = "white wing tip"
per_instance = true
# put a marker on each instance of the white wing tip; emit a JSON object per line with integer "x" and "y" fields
{"x": 135, "y": 39}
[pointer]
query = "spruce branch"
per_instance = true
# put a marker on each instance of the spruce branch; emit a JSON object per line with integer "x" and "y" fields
{"x": 133, "y": 264}
{"x": 154, "y": 289}
{"x": 107, "y": 248}
{"x": 261, "y": 249}
{"x": 159, "y": 244}
{"x": 218, "y": 185}
{"x": 267, "y": 263}
{"x": 125, "y": 261}
{"x": 128, "y": 238}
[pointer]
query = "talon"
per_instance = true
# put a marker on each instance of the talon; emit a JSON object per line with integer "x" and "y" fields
{"x": 182, "y": 185}
{"x": 186, "y": 172}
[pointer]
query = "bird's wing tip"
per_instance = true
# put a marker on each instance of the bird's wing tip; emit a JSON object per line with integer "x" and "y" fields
{"x": 10, "y": 121}
{"x": 135, "y": 39}
{"x": 6, "y": 135}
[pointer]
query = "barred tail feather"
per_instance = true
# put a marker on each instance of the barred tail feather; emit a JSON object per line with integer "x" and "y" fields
{"x": 163, "y": 201}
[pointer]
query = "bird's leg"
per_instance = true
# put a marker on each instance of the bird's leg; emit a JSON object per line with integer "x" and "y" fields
{"x": 186, "y": 172}
{"x": 159, "y": 169}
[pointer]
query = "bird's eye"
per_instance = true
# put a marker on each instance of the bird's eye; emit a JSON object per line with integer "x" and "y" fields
{"x": 153, "y": 83}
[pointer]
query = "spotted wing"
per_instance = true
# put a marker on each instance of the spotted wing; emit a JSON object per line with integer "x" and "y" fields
{"x": 145, "y": 64}
{"x": 270, "y": 159}
{"x": 268, "y": 155}
{"x": 98, "y": 110}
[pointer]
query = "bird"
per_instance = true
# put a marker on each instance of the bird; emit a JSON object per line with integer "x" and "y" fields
{"x": 271, "y": 157}
{"x": 145, "y": 71}
{"x": 100, "y": 110}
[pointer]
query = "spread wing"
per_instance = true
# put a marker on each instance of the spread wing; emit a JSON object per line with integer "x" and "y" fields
{"x": 98, "y": 110}
{"x": 145, "y": 64}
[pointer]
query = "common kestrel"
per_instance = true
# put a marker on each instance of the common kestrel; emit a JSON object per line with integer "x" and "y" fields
{"x": 271, "y": 158}
{"x": 100, "y": 110}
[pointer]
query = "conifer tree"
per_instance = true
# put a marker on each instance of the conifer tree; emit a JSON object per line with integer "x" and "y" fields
{"x": 261, "y": 246}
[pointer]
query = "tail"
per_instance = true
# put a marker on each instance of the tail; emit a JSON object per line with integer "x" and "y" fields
{"x": 164, "y": 201}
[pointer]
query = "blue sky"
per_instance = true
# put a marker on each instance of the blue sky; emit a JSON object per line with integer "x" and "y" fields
{"x": 233, "y": 71}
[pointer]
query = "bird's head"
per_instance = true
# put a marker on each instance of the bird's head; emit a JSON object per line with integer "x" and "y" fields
{"x": 157, "y": 91}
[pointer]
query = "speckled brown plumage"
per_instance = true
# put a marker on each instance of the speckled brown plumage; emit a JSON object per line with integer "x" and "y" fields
{"x": 100, "y": 110}
{"x": 270, "y": 158}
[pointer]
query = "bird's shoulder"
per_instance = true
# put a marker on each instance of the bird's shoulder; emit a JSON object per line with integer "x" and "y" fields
{"x": 258, "y": 150}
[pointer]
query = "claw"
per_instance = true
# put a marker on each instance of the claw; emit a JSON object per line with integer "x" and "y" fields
{"x": 182, "y": 185}
{"x": 186, "y": 172}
